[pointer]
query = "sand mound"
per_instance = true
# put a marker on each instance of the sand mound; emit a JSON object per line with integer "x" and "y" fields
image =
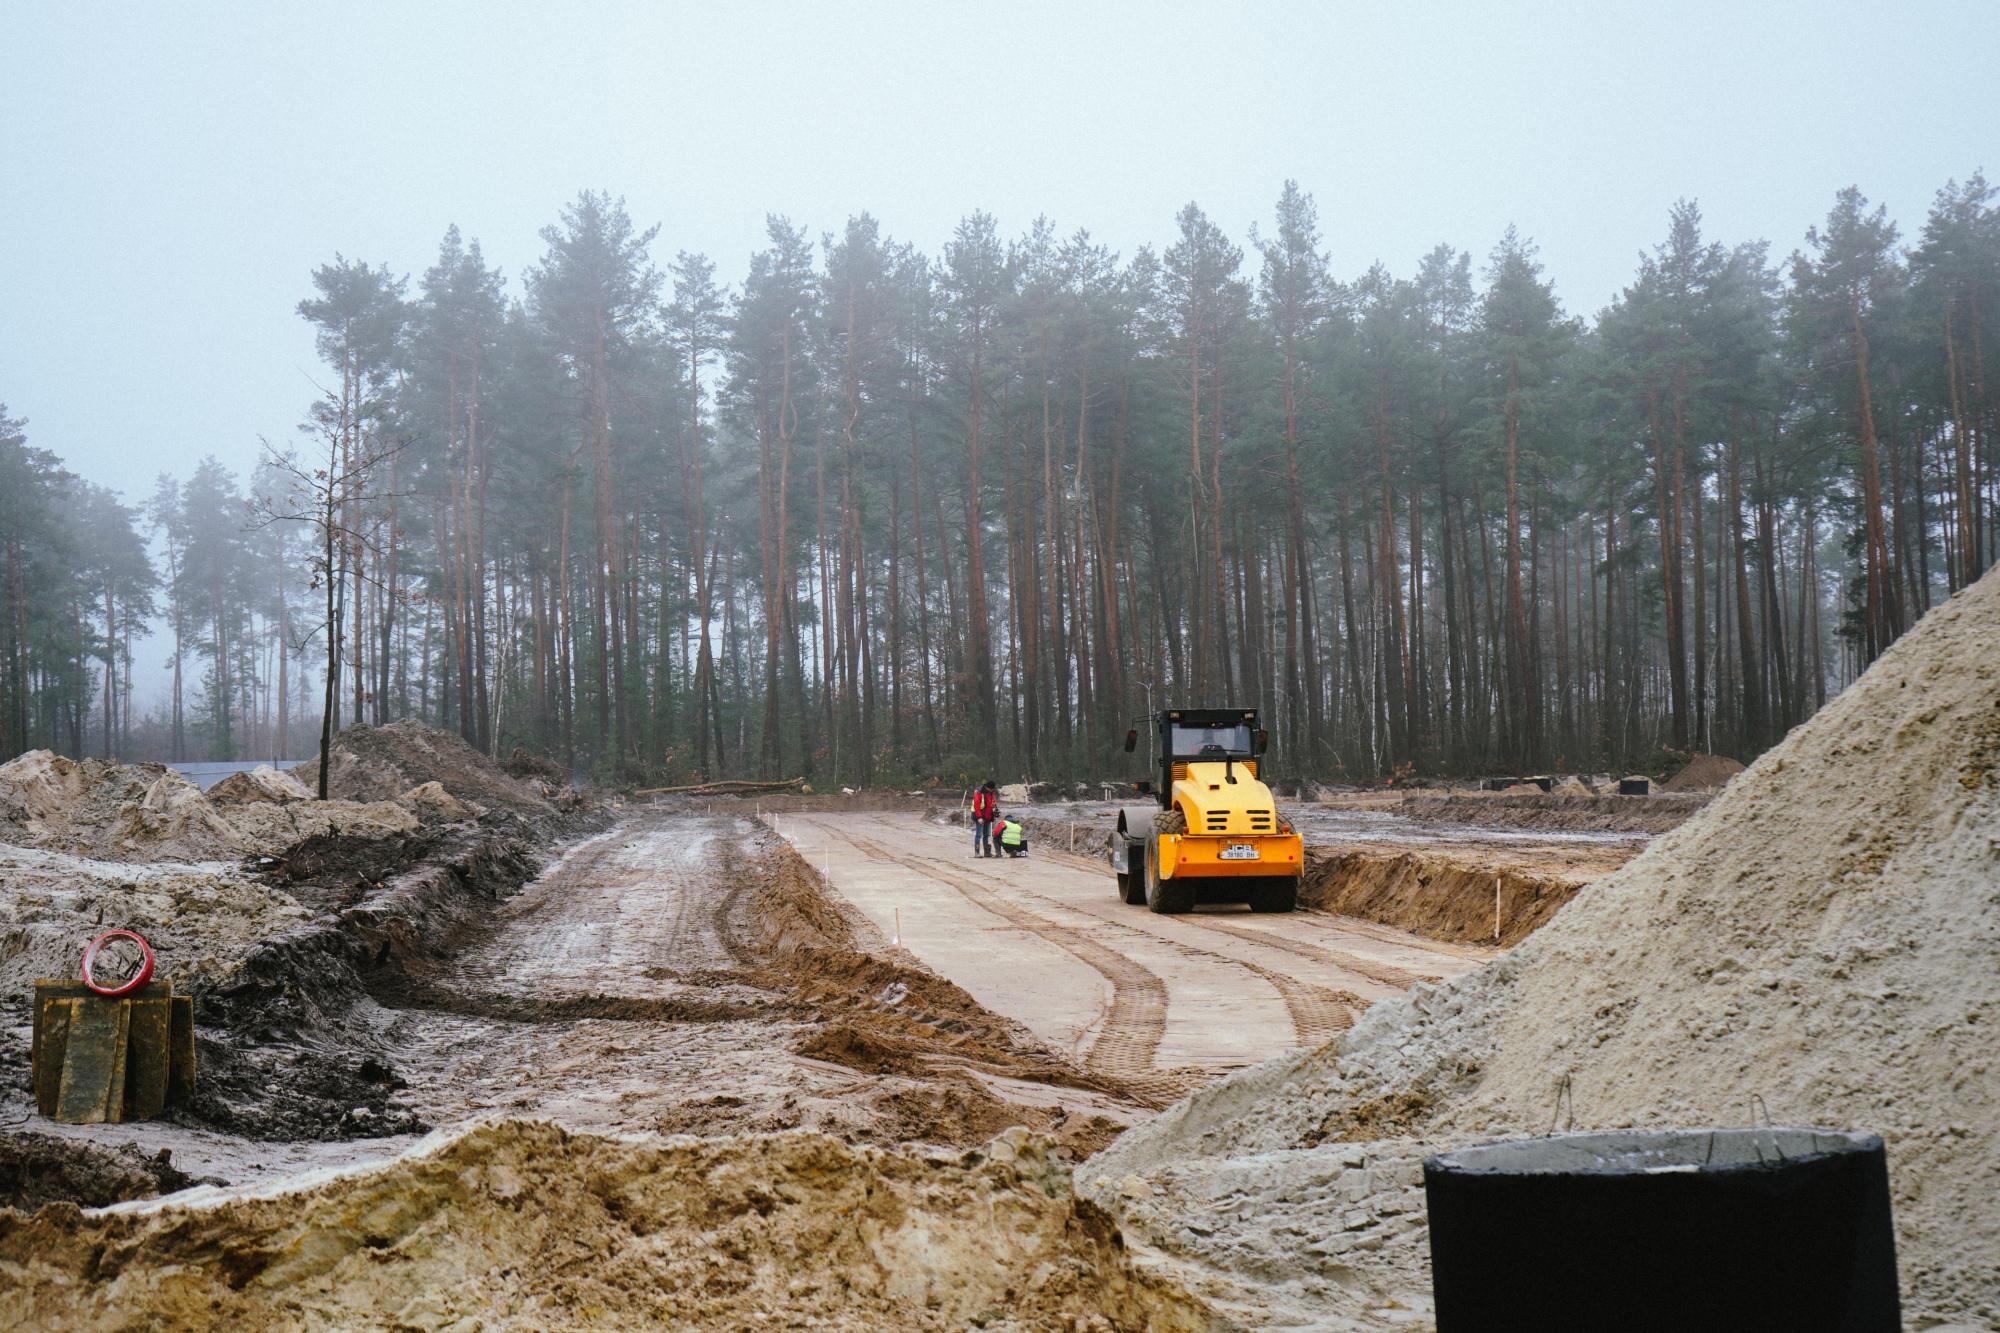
{"x": 1825, "y": 936}
{"x": 147, "y": 813}
{"x": 431, "y": 801}
{"x": 200, "y": 919}
{"x": 383, "y": 763}
{"x": 98, "y": 808}
{"x": 519, "y": 1225}
{"x": 1705, "y": 772}
{"x": 262, "y": 783}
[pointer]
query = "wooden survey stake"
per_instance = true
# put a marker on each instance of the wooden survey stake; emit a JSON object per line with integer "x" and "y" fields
{"x": 101, "y": 1061}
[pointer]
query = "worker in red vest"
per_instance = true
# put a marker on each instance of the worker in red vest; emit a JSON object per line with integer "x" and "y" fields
{"x": 985, "y": 805}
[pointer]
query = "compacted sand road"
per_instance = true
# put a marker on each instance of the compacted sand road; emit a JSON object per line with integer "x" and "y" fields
{"x": 1156, "y": 1001}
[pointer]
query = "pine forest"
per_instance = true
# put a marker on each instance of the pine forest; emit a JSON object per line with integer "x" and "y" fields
{"x": 882, "y": 517}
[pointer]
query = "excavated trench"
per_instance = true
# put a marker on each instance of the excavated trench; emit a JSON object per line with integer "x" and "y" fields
{"x": 725, "y": 995}
{"x": 289, "y": 1047}
{"x": 1446, "y": 891}
{"x": 676, "y": 973}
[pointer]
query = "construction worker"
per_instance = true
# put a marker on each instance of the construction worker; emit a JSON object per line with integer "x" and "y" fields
{"x": 985, "y": 806}
{"x": 1013, "y": 838}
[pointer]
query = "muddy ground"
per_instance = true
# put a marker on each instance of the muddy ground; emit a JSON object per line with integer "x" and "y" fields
{"x": 683, "y": 973}
{"x": 677, "y": 973}
{"x": 840, "y": 970}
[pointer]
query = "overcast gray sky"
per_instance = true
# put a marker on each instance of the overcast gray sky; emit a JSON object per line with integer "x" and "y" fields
{"x": 171, "y": 173}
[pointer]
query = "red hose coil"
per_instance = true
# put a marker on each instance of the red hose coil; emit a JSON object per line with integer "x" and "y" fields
{"x": 145, "y": 968}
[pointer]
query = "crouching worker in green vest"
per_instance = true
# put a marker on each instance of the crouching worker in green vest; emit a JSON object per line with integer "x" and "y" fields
{"x": 1013, "y": 838}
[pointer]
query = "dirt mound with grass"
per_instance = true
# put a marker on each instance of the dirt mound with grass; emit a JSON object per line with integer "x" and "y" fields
{"x": 522, "y": 1225}
{"x": 1822, "y": 940}
{"x": 1705, "y": 772}
{"x": 534, "y": 767}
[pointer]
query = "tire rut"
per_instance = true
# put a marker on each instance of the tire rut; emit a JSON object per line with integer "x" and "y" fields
{"x": 1317, "y": 1012}
{"x": 1126, "y": 1046}
{"x": 1385, "y": 974}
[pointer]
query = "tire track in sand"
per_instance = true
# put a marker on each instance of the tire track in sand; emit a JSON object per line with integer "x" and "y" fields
{"x": 1126, "y": 1046}
{"x": 1383, "y": 974}
{"x": 1318, "y": 1013}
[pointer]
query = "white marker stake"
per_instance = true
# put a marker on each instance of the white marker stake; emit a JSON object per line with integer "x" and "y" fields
{"x": 898, "y": 940}
{"x": 1496, "y": 909}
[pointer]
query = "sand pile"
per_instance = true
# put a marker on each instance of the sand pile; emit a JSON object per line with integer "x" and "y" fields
{"x": 430, "y": 801}
{"x": 1825, "y": 936}
{"x": 98, "y": 808}
{"x": 107, "y": 811}
{"x": 1557, "y": 812}
{"x": 262, "y": 783}
{"x": 522, "y": 1225}
{"x": 384, "y": 763}
{"x": 200, "y": 919}
{"x": 1705, "y": 772}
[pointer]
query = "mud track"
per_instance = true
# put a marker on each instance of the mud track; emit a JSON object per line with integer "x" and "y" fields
{"x": 679, "y": 973}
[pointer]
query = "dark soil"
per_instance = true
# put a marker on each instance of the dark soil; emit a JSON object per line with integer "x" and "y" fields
{"x": 285, "y": 1049}
{"x": 289, "y": 1092}
{"x": 38, "y": 1169}
{"x": 871, "y": 1053}
{"x": 534, "y": 767}
{"x": 393, "y": 991}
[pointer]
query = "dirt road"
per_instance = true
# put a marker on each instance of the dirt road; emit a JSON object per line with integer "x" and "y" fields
{"x": 633, "y": 987}
{"x": 1159, "y": 1002}
{"x": 629, "y": 988}
{"x": 609, "y": 993}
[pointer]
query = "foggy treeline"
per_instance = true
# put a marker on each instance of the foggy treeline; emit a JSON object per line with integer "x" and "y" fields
{"x": 879, "y": 515}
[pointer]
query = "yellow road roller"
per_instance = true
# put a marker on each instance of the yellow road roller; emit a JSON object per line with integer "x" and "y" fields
{"x": 1217, "y": 836}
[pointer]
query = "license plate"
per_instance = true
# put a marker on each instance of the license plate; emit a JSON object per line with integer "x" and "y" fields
{"x": 1239, "y": 851}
